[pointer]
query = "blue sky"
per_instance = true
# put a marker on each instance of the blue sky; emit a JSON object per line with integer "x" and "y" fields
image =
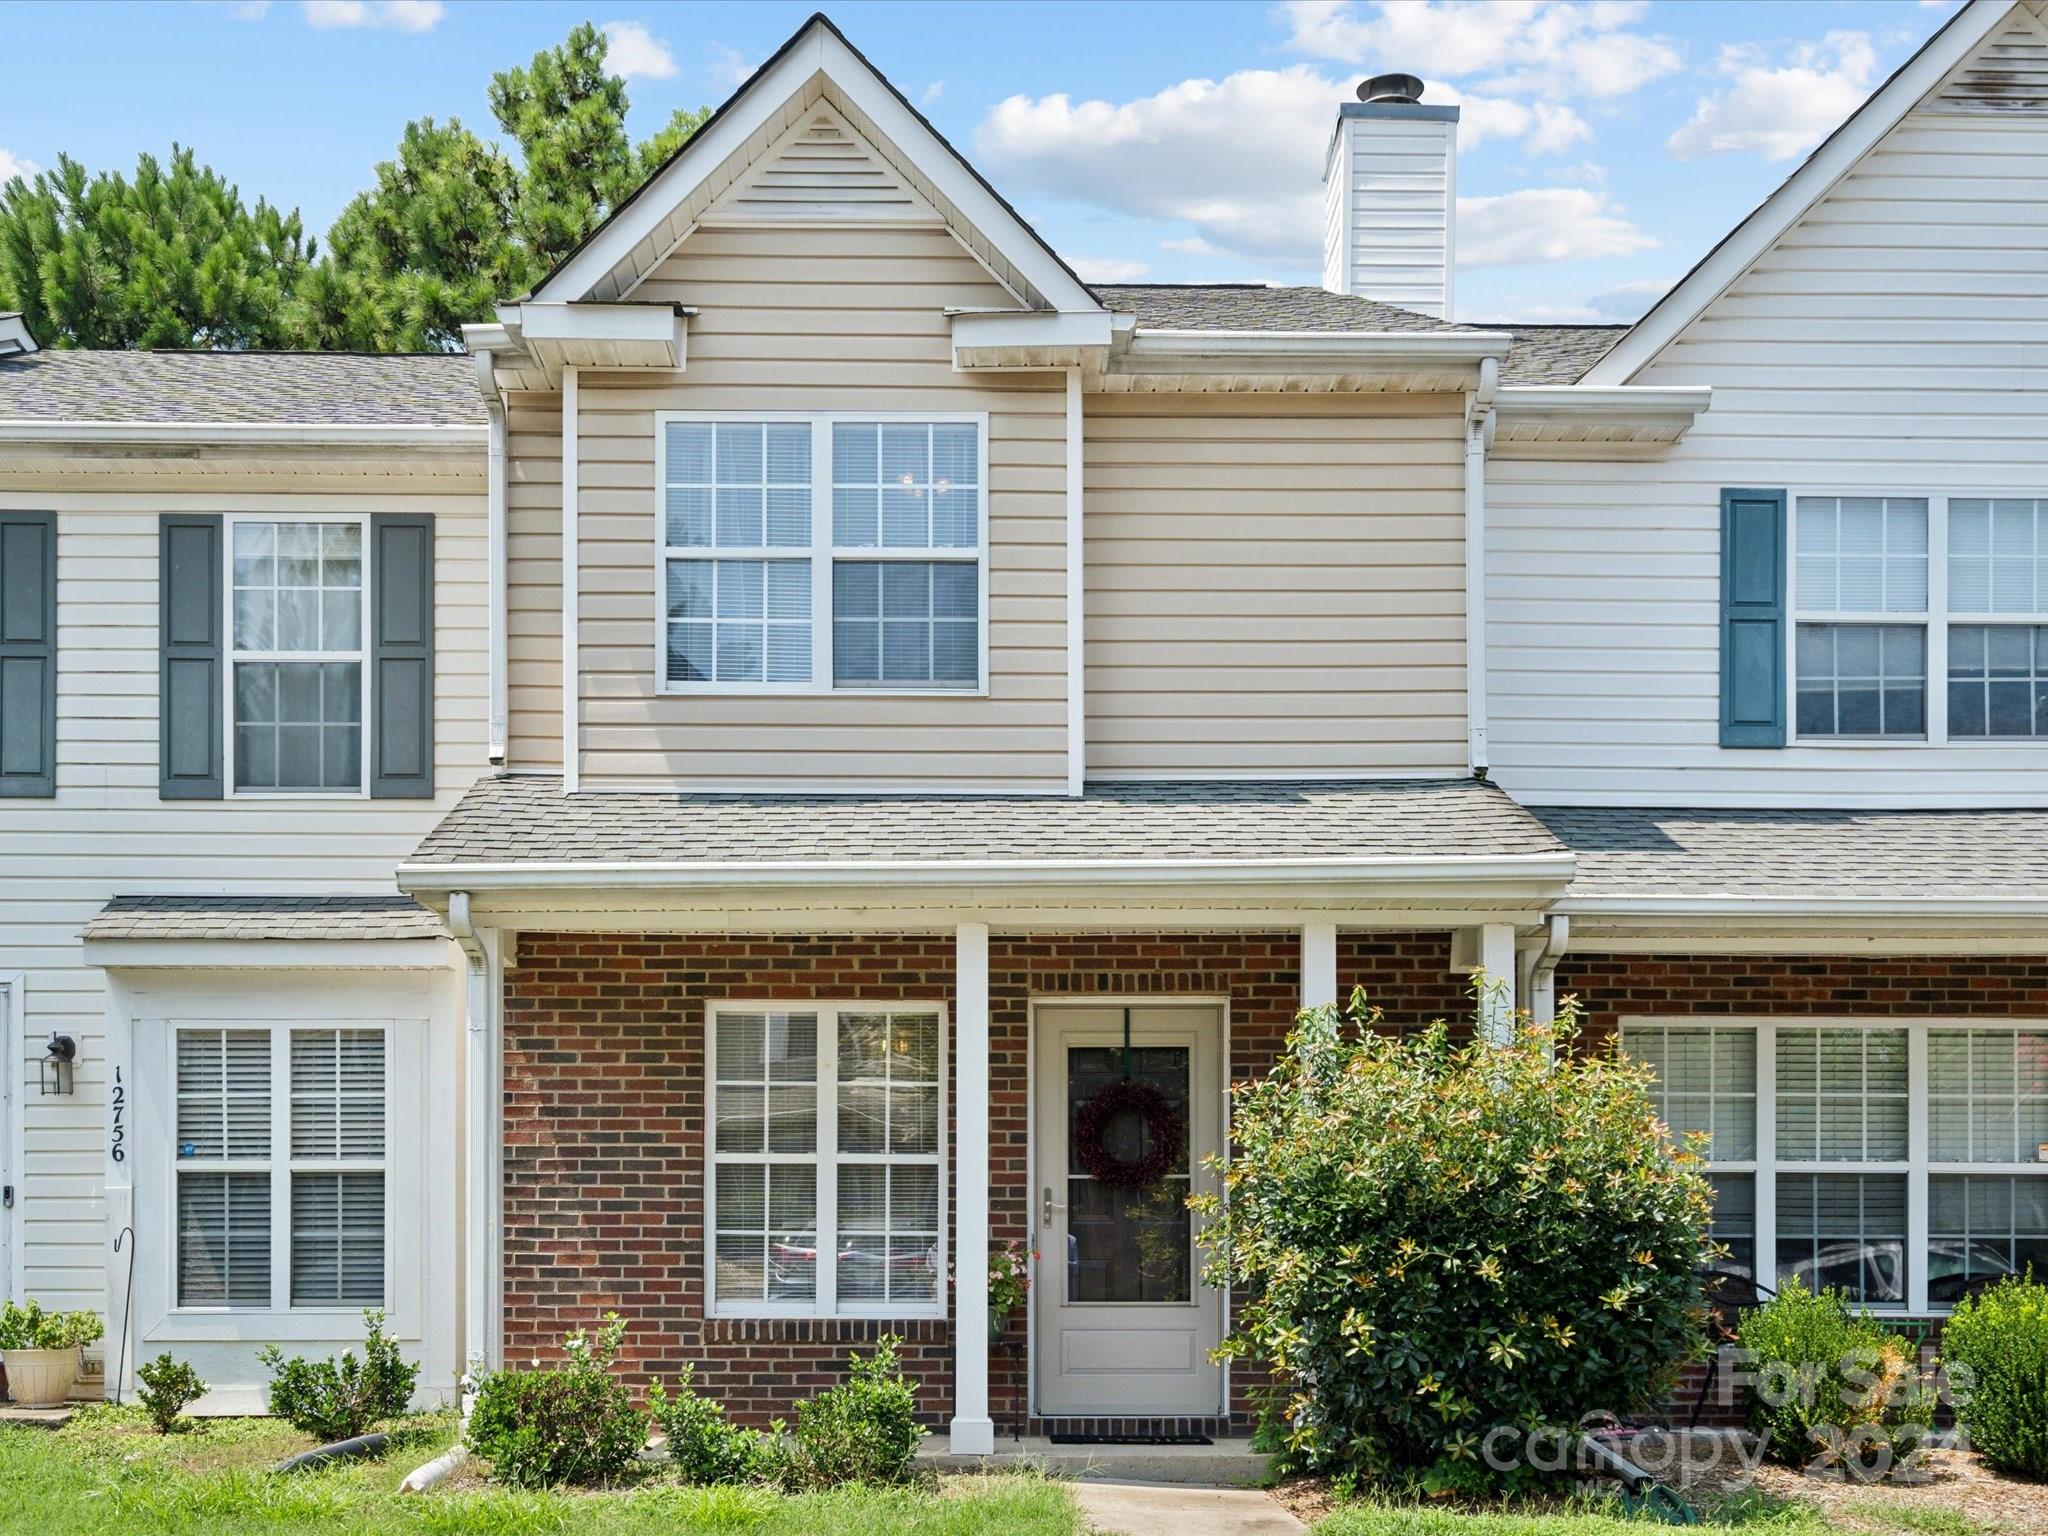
{"x": 1604, "y": 146}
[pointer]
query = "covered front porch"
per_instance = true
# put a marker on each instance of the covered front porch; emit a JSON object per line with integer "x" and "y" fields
{"x": 759, "y": 1108}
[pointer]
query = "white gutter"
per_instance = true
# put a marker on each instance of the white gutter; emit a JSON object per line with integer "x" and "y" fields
{"x": 496, "y": 543}
{"x": 572, "y": 735}
{"x": 1399, "y": 347}
{"x": 1077, "y": 671}
{"x": 479, "y": 1136}
{"x": 325, "y": 433}
{"x": 1478, "y": 434}
{"x": 1862, "y": 907}
{"x": 716, "y": 874}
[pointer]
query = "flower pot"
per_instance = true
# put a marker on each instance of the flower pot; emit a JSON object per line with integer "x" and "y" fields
{"x": 998, "y": 1325}
{"x": 40, "y": 1378}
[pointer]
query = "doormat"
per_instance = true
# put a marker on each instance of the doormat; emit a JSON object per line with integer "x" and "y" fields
{"x": 1130, "y": 1440}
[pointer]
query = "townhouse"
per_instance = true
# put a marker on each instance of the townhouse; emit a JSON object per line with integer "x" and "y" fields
{"x": 684, "y": 809}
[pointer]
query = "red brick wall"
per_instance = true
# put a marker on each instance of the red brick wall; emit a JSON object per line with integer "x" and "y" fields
{"x": 604, "y": 1119}
{"x": 1614, "y": 986}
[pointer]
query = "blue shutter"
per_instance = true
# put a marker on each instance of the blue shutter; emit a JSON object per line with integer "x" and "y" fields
{"x": 402, "y": 657}
{"x": 28, "y": 654}
{"x": 191, "y": 619}
{"x": 1753, "y": 640}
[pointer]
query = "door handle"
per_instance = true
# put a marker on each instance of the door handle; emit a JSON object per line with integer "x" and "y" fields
{"x": 1051, "y": 1205}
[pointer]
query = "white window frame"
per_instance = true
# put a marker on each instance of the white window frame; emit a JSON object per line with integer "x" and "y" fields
{"x": 823, "y": 554}
{"x": 234, "y": 654}
{"x": 1917, "y": 1166}
{"x": 1937, "y": 621}
{"x": 280, "y": 1165}
{"x": 826, "y": 1303}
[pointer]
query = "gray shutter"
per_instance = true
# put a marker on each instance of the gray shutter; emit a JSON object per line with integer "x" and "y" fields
{"x": 191, "y": 619}
{"x": 402, "y": 657}
{"x": 1753, "y": 639}
{"x": 28, "y": 654}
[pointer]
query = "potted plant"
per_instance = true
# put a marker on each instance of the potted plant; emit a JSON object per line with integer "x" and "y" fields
{"x": 40, "y": 1350}
{"x": 1009, "y": 1282}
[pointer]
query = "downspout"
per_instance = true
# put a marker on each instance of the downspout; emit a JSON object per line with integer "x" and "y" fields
{"x": 572, "y": 584}
{"x": 496, "y": 546}
{"x": 479, "y": 1128}
{"x": 1478, "y": 437}
{"x": 1543, "y": 969}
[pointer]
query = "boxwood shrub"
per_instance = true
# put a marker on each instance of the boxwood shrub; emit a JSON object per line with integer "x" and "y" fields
{"x": 1825, "y": 1381}
{"x": 1996, "y": 1349}
{"x": 572, "y": 1424}
{"x": 1444, "y": 1247}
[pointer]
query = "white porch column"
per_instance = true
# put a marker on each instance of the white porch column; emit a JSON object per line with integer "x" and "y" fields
{"x": 1497, "y": 963}
{"x": 973, "y": 1431}
{"x": 1318, "y": 964}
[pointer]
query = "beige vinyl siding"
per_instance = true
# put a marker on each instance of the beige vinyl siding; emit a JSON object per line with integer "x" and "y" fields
{"x": 1891, "y": 341}
{"x": 1275, "y": 585}
{"x": 533, "y": 583}
{"x": 106, "y": 833}
{"x": 840, "y": 320}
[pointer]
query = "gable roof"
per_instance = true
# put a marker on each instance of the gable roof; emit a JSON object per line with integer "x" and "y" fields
{"x": 816, "y": 60}
{"x": 1817, "y": 175}
{"x": 243, "y": 388}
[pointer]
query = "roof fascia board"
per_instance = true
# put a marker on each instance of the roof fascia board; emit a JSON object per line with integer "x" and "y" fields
{"x": 271, "y": 954}
{"x": 349, "y": 434}
{"x": 550, "y": 320}
{"x": 1620, "y": 402}
{"x": 1963, "y": 909}
{"x": 1250, "y": 352}
{"x": 1827, "y": 165}
{"x": 818, "y": 48}
{"x": 921, "y": 874}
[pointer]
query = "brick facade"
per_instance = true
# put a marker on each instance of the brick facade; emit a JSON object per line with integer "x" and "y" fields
{"x": 604, "y": 1120}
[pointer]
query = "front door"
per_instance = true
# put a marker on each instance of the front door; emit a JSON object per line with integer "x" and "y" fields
{"x": 1124, "y": 1323}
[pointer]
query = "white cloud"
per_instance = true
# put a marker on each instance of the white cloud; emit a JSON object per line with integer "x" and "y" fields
{"x": 12, "y": 166}
{"x": 1103, "y": 269}
{"x": 933, "y": 92}
{"x": 1194, "y": 245}
{"x": 1529, "y": 47}
{"x": 1544, "y": 224}
{"x": 634, "y": 53}
{"x": 397, "y": 15}
{"x": 1239, "y": 159}
{"x": 1545, "y": 128}
{"x": 729, "y": 69}
{"x": 1779, "y": 111}
{"x": 1629, "y": 301}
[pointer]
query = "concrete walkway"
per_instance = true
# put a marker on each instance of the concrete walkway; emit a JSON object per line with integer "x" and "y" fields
{"x": 1176, "y": 1509}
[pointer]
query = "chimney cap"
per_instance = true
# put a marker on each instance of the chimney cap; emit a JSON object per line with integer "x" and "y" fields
{"x": 1390, "y": 88}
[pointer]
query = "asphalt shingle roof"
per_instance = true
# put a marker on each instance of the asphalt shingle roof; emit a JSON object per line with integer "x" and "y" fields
{"x": 1814, "y": 853}
{"x": 264, "y": 917}
{"x": 332, "y": 388}
{"x": 1257, "y": 307}
{"x": 530, "y": 821}
{"x": 1554, "y": 354}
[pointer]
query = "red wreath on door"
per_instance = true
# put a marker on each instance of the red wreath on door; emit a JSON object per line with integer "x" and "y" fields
{"x": 1091, "y": 1131}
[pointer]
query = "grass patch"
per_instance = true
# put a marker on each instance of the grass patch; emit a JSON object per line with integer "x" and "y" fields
{"x": 107, "y": 1474}
{"x": 1755, "y": 1512}
{"x": 1912, "y": 1519}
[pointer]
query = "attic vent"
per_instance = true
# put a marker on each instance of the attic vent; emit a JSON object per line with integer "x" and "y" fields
{"x": 820, "y": 169}
{"x": 2008, "y": 74}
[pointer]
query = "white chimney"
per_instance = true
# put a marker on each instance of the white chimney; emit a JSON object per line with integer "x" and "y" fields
{"x": 1390, "y": 197}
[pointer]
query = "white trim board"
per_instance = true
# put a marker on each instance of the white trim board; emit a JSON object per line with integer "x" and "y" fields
{"x": 1822, "y": 170}
{"x": 14, "y": 1107}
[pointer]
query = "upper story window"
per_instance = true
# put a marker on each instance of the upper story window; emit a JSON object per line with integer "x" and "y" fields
{"x": 823, "y": 552}
{"x": 1892, "y": 591}
{"x": 296, "y": 670}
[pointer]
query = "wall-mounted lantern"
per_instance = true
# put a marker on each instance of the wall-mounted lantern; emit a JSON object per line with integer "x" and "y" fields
{"x": 57, "y": 1063}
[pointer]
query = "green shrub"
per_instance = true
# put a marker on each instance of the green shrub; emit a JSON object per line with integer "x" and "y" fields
{"x": 167, "y": 1386}
{"x": 705, "y": 1447}
{"x": 575, "y": 1424}
{"x": 1823, "y": 1377}
{"x": 2001, "y": 1338}
{"x": 1437, "y": 1241}
{"x": 864, "y": 1430}
{"x": 339, "y": 1399}
{"x": 25, "y": 1325}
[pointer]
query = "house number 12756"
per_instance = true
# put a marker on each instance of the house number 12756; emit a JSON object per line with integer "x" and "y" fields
{"x": 119, "y": 1100}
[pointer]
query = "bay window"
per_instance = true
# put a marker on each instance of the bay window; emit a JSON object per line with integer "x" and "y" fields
{"x": 1898, "y": 1162}
{"x": 822, "y": 552}
{"x": 279, "y": 1167}
{"x": 1890, "y": 592}
{"x": 826, "y": 1160}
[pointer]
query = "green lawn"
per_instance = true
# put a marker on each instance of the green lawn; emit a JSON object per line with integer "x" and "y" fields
{"x": 106, "y": 1474}
{"x": 1766, "y": 1518}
